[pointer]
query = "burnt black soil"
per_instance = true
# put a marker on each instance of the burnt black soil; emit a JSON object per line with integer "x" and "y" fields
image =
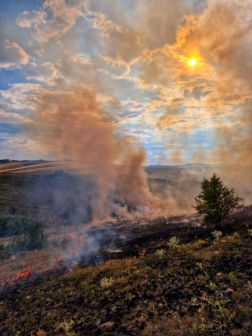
{"x": 201, "y": 287}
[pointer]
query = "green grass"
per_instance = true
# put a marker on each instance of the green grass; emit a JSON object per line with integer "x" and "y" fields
{"x": 201, "y": 288}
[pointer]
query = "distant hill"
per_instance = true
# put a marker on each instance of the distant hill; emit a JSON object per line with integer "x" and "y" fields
{"x": 6, "y": 161}
{"x": 188, "y": 165}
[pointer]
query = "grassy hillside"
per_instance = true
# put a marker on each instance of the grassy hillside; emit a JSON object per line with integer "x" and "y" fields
{"x": 200, "y": 287}
{"x": 46, "y": 195}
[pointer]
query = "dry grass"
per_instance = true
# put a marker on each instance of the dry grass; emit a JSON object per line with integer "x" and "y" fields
{"x": 189, "y": 291}
{"x": 36, "y": 261}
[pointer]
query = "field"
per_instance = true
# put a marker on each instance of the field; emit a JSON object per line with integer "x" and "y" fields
{"x": 119, "y": 276}
{"x": 200, "y": 287}
{"x": 41, "y": 192}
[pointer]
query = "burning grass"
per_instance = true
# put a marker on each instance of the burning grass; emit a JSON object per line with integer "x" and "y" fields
{"x": 187, "y": 290}
{"x": 61, "y": 249}
{"x": 35, "y": 261}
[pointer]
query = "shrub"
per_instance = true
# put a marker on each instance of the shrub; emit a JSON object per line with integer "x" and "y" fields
{"x": 217, "y": 235}
{"x": 160, "y": 253}
{"x": 106, "y": 282}
{"x": 66, "y": 326}
{"x": 173, "y": 242}
{"x": 26, "y": 235}
{"x": 11, "y": 225}
{"x": 34, "y": 235}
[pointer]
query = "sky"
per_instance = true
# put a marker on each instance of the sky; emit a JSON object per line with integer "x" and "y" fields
{"x": 76, "y": 71}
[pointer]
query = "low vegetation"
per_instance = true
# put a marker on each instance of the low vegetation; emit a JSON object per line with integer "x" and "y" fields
{"x": 26, "y": 235}
{"x": 197, "y": 287}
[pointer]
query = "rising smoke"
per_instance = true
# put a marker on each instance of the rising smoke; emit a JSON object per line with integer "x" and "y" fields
{"x": 140, "y": 50}
{"x": 222, "y": 38}
{"x": 70, "y": 123}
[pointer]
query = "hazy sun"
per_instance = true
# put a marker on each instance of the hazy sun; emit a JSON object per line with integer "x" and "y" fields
{"x": 192, "y": 62}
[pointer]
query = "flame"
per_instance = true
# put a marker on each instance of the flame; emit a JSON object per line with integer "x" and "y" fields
{"x": 29, "y": 271}
{"x": 22, "y": 275}
{"x": 19, "y": 276}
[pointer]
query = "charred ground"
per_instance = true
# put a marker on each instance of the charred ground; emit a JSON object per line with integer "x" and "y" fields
{"x": 133, "y": 283}
{"x": 202, "y": 287}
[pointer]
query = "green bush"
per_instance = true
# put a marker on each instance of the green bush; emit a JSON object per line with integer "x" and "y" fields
{"x": 217, "y": 235}
{"x": 173, "y": 243}
{"x": 27, "y": 235}
{"x": 11, "y": 225}
{"x": 34, "y": 235}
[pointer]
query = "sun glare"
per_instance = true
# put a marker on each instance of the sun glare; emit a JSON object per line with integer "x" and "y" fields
{"x": 192, "y": 62}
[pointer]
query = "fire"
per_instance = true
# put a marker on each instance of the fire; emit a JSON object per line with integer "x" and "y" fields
{"x": 29, "y": 271}
{"x": 19, "y": 276}
{"x": 22, "y": 275}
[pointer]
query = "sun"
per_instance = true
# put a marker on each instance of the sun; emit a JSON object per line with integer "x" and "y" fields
{"x": 192, "y": 62}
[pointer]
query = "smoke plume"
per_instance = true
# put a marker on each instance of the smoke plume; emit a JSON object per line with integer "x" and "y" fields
{"x": 151, "y": 55}
{"x": 71, "y": 125}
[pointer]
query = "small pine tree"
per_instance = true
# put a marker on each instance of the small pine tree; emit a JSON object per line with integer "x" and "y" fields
{"x": 216, "y": 201}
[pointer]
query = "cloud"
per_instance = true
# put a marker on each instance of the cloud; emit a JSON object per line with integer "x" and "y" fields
{"x": 176, "y": 101}
{"x": 59, "y": 8}
{"x": 19, "y": 148}
{"x": 159, "y": 20}
{"x": 183, "y": 120}
{"x": 80, "y": 58}
{"x": 11, "y": 54}
{"x": 224, "y": 46}
{"x": 20, "y": 96}
{"x": 100, "y": 22}
{"x": 196, "y": 92}
{"x": 135, "y": 58}
{"x": 11, "y": 117}
{"x": 45, "y": 72}
{"x": 29, "y": 19}
{"x": 63, "y": 17}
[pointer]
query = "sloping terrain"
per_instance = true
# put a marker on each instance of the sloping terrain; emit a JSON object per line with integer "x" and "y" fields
{"x": 45, "y": 195}
{"x": 200, "y": 287}
{"x": 35, "y": 167}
